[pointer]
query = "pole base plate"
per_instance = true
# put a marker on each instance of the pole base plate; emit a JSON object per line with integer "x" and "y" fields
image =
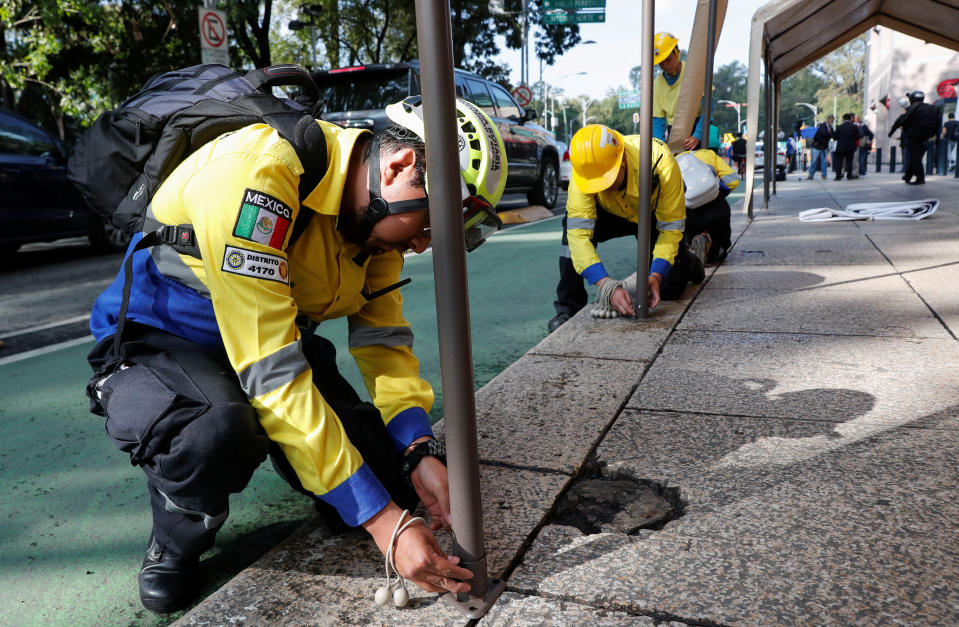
{"x": 475, "y": 607}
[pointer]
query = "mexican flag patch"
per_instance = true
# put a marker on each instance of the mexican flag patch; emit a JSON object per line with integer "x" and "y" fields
{"x": 263, "y": 219}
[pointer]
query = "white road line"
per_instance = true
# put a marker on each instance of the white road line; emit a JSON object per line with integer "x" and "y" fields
{"x": 42, "y": 327}
{"x": 44, "y": 350}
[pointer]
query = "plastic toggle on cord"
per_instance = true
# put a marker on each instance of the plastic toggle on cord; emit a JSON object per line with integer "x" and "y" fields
{"x": 908, "y": 210}
{"x": 604, "y": 306}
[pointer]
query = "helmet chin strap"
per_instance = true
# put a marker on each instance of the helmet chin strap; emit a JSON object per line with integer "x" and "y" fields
{"x": 379, "y": 207}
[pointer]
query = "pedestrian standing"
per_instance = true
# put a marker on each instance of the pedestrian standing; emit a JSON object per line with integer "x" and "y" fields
{"x": 950, "y": 132}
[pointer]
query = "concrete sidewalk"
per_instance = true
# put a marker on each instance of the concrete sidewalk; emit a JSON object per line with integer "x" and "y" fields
{"x": 800, "y": 411}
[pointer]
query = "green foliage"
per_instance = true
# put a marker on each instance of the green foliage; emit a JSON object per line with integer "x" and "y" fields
{"x": 843, "y": 73}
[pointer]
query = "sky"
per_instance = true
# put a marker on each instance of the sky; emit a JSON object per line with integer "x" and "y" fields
{"x": 617, "y": 47}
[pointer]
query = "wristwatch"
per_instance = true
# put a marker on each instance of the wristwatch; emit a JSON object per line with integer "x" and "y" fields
{"x": 412, "y": 459}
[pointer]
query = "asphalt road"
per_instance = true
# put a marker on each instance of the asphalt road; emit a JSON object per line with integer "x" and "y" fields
{"x": 48, "y": 289}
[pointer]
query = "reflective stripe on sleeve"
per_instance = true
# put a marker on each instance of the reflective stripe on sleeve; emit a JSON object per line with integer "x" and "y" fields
{"x": 675, "y": 225}
{"x": 729, "y": 178}
{"x": 362, "y": 335}
{"x": 580, "y": 223}
{"x": 274, "y": 371}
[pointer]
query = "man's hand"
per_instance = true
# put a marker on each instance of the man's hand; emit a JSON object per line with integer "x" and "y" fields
{"x": 655, "y": 279}
{"x": 431, "y": 482}
{"x": 621, "y": 302}
{"x": 690, "y": 143}
{"x": 416, "y": 554}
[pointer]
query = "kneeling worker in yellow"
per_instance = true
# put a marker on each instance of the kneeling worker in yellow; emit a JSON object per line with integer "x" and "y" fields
{"x": 219, "y": 366}
{"x": 603, "y": 203}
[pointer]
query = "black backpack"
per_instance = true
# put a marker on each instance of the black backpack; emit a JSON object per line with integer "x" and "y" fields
{"x": 119, "y": 162}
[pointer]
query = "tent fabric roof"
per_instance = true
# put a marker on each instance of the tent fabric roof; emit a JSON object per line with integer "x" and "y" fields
{"x": 796, "y": 33}
{"x": 790, "y": 34}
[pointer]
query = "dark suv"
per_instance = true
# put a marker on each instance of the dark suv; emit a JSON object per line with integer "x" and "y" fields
{"x": 37, "y": 201}
{"x": 356, "y": 97}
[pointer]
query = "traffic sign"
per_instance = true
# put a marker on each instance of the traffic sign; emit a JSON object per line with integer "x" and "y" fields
{"x": 574, "y": 4}
{"x": 574, "y": 17}
{"x": 214, "y": 43}
{"x": 635, "y": 118}
{"x": 628, "y": 99}
{"x": 523, "y": 95}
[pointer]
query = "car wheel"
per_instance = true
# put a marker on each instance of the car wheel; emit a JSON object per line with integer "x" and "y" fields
{"x": 547, "y": 187}
{"x": 109, "y": 239}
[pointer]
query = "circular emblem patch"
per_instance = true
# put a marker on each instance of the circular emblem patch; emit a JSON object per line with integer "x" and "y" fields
{"x": 283, "y": 270}
{"x": 235, "y": 260}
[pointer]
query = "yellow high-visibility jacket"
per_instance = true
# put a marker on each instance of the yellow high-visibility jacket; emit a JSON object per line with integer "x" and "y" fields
{"x": 667, "y": 203}
{"x": 728, "y": 178}
{"x": 239, "y": 192}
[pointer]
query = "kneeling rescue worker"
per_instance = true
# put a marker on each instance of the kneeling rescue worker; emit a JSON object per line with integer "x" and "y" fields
{"x": 222, "y": 368}
{"x": 603, "y": 203}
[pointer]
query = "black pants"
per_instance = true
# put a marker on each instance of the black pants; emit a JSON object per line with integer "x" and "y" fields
{"x": 844, "y": 162}
{"x": 180, "y": 413}
{"x": 915, "y": 149}
{"x": 713, "y": 217}
{"x": 571, "y": 295}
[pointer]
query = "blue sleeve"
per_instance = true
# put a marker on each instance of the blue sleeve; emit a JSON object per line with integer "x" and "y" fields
{"x": 659, "y": 128}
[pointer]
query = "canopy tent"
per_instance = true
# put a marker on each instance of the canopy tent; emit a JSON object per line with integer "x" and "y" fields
{"x": 788, "y": 35}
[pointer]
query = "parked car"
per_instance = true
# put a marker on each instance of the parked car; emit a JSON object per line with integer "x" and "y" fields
{"x": 780, "y": 158}
{"x": 37, "y": 201}
{"x": 356, "y": 97}
{"x": 565, "y": 165}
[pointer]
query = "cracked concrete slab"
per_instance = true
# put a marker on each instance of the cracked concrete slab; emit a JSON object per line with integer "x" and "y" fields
{"x": 747, "y": 478}
{"x": 772, "y": 582}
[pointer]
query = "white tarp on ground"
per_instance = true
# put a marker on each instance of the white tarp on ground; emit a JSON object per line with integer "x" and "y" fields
{"x": 908, "y": 210}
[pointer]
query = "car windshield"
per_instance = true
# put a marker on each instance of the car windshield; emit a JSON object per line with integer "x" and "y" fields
{"x": 363, "y": 90}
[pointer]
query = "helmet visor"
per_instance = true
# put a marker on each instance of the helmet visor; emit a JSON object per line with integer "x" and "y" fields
{"x": 479, "y": 221}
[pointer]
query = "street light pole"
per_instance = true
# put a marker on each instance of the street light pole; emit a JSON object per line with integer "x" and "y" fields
{"x": 584, "y": 102}
{"x": 815, "y": 111}
{"x": 313, "y": 11}
{"x": 734, "y": 105}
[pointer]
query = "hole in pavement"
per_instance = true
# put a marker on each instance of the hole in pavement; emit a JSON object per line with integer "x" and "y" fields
{"x": 598, "y": 503}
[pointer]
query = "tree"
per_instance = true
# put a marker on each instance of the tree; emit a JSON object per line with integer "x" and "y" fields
{"x": 843, "y": 73}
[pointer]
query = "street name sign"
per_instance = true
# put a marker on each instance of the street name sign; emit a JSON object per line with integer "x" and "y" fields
{"x": 574, "y": 4}
{"x": 574, "y": 17}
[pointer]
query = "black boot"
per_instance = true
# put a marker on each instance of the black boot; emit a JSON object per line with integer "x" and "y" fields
{"x": 167, "y": 583}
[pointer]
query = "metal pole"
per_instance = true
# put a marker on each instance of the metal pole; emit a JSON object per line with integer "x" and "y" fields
{"x": 767, "y": 107}
{"x": 640, "y": 300}
{"x": 312, "y": 42}
{"x": 775, "y": 147}
{"x": 708, "y": 89}
{"x": 434, "y": 39}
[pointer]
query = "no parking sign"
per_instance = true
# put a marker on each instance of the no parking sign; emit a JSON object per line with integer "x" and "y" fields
{"x": 214, "y": 42}
{"x": 523, "y": 95}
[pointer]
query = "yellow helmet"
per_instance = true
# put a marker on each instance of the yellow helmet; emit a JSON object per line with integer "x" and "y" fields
{"x": 663, "y": 45}
{"x": 595, "y": 152}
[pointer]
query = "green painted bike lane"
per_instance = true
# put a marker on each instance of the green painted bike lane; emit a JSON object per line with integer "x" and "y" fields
{"x": 75, "y": 514}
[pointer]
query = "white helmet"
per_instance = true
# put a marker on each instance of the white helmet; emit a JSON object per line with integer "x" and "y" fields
{"x": 482, "y": 168}
{"x": 483, "y": 164}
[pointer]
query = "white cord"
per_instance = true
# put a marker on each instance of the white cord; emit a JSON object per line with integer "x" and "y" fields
{"x": 396, "y": 590}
